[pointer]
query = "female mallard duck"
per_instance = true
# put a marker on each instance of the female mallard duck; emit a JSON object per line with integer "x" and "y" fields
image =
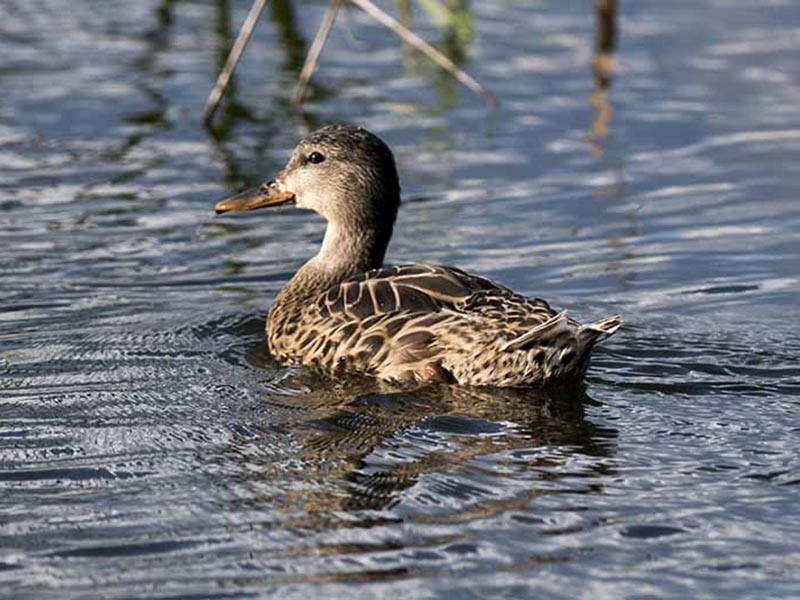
{"x": 344, "y": 312}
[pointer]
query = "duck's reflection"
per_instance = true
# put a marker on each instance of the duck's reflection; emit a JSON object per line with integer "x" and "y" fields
{"x": 362, "y": 443}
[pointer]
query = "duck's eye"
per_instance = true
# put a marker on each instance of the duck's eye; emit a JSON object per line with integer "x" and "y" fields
{"x": 315, "y": 158}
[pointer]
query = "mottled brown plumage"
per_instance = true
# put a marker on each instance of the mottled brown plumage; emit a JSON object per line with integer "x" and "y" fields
{"x": 343, "y": 312}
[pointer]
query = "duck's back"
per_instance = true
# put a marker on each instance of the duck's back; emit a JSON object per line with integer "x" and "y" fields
{"x": 423, "y": 323}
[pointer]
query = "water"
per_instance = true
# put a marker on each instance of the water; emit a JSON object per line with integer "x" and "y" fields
{"x": 150, "y": 449}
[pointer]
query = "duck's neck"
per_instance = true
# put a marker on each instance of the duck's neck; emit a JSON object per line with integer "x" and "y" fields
{"x": 347, "y": 250}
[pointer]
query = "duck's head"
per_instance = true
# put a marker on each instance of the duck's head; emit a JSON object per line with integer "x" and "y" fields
{"x": 343, "y": 172}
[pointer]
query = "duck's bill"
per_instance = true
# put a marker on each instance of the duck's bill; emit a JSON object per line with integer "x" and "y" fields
{"x": 260, "y": 197}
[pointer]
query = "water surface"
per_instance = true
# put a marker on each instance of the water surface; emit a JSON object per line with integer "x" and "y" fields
{"x": 149, "y": 448}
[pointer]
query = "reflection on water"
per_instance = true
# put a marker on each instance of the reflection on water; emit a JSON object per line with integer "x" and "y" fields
{"x": 292, "y": 42}
{"x": 377, "y": 442}
{"x": 456, "y": 21}
{"x": 149, "y": 447}
{"x": 602, "y": 68}
{"x": 603, "y": 64}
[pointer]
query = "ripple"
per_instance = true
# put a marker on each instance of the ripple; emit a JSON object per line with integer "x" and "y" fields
{"x": 151, "y": 447}
{"x": 643, "y": 532}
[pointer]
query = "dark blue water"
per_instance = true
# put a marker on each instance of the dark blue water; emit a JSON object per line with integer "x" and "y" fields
{"x": 150, "y": 449}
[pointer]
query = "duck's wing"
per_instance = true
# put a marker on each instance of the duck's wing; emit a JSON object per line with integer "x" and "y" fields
{"x": 434, "y": 323}
{"x": 426, "y": 289}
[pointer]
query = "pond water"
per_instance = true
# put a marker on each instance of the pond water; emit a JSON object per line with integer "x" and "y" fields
{"x": 149, "y": 448}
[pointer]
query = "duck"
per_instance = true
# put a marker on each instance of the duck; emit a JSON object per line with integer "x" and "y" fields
{"x": 344, "y": 311}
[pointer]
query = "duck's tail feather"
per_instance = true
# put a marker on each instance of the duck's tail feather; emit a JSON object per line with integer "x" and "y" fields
{"x": 589, "y": 334}
{"x": 600, "y": 330}
{"x": 553, "y": 326}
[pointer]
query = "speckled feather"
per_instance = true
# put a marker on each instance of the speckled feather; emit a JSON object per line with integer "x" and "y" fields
{"x": 426, "y": 323}
{"x": 342, "y": 312}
